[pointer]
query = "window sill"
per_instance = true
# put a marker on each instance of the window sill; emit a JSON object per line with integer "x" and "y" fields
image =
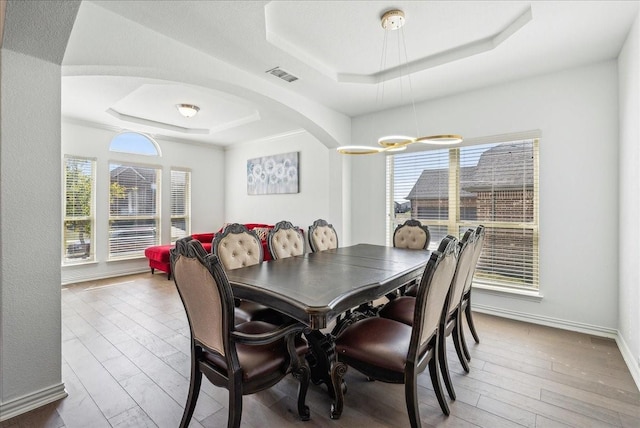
{"x": 126, "y": 259}
{"x": 77, "y": 264}
{"x": 515, "y": 293}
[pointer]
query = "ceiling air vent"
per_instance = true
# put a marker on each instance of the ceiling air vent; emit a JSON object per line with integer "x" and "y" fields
{"x": 278, "y": 72}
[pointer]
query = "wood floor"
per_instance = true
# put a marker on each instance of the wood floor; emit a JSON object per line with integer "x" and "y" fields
{"x": 126, "y": 364}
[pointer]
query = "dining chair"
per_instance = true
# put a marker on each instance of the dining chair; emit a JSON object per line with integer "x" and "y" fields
{"x": 322, "y": 236}
{"x": 465, "y": 305}
{"x": 236, "y": 247}
{"x": 245, "y": 358}
{"x": 413, "y": 235}
{"x": 402, "y": 310}
{"x": 390, "y": 351}
{"x": 285, "y": 240}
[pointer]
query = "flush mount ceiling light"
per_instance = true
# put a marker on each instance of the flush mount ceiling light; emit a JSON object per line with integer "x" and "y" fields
{"x": 188, "y": 110}
{"x": 393, "y": 20}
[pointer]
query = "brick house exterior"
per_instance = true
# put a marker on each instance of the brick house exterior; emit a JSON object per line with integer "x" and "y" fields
{"x": 500, "y": 188}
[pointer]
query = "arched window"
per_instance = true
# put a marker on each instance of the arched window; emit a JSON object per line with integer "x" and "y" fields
{"x": 135, "y": 143}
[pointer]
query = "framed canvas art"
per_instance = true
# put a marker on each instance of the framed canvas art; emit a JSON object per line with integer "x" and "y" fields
{"x": 273, "y": 174}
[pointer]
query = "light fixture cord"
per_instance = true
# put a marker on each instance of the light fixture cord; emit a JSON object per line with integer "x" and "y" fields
{"x": 413, "y": 100}
{"x": 380, "y": 83}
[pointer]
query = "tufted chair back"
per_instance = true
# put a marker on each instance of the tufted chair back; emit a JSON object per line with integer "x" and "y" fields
{"x": 285, "y": 240}
{"x": 236, "y": 247}
{"x": 322, "y": 236}
{"x": 412, "y": 235}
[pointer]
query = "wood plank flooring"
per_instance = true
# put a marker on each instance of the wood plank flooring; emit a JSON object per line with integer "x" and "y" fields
{"x": 126, "y": 364}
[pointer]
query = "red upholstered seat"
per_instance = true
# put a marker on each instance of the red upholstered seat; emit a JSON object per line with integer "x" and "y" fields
{"x": 158, "y": 255}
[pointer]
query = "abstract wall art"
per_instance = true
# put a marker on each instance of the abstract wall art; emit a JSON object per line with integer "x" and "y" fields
{"x": 273, "y": 174}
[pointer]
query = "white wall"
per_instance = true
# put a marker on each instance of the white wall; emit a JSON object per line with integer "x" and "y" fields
{"x": 577, "y": 113}
{"x": 319, "y": 184}
{"x": 207, "y": 192}
{"x": 30, "y": 315}
{"x": 629, "y": 165}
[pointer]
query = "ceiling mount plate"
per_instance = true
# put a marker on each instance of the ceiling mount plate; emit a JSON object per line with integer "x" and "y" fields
{"x": 392, "y": 19}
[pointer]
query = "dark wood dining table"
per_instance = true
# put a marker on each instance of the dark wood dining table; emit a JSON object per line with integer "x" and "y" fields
{"x": 318, "y": 288}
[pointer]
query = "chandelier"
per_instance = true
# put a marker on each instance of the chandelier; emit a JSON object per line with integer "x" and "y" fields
{"x": 394, "y": 20}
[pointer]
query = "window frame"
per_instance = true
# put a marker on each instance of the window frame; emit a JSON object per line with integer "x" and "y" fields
{"x": 455, "y": 225}
{"x": 187, "y": 208}
{"x": 65, "y": 259}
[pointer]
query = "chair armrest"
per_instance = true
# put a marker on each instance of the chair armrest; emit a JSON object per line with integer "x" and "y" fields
{"x": 268, "y": 337}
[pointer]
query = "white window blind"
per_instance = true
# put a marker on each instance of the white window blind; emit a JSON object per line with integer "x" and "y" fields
{"x": 79, "y": 208}
{"x": 133, "y": 209}
{"x": 180, "y": 204}
{"x": 493, "y": 184}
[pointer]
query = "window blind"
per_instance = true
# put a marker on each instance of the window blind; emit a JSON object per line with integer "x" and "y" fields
{"x": 133, "y": 209}
{"x": 79, "y": 208}
{"x": 180, "y": 204}
{"x": 493, "y": 184}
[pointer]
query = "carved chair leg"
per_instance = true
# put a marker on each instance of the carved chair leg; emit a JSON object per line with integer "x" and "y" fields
{"x": 194, "y": 391}
{"x": 437, "y": 385}
{"x": 235, "y": 403}
{"x": 457, "y": 343}
{"x": 463, "y": 342}
{"x": 338, "y": 370}
{"x": 411, "y": 398}
{"x": 444, "y": 366}
{"x": 472, "y": 327}
{"x": 152, "y": 271}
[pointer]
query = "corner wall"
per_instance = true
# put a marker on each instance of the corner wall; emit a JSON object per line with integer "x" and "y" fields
{"x": 629, "y": 208}
{"x": 30, "y": 311}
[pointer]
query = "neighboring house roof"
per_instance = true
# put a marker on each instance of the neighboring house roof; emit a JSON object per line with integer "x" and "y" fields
{"x": 434, "y": 184}
{"x": 134, "y": 174}
{"x": 502, "y": 167}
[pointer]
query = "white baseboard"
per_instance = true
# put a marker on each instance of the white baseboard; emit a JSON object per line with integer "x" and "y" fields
{"x": 634, "y": 366}
{"x": 83, "y": 277}
{"x": 610, "y": 333}
{"x": 32, "y": 401}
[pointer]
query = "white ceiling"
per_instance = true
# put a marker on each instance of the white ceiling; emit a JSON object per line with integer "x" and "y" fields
{"x": 333, "y": 47}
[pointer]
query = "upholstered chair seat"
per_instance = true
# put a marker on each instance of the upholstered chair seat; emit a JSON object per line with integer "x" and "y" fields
{"x": 259, "y": 361}
{"x": 400, "y": 309}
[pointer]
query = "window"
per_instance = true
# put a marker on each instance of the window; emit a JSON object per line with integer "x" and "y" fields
{"x": 493, "y": 184}
{"x": 135, "y": 143}
{"x": 180, "y": 204}
{"x": 79, "y": 208}
{"x": 134, "y": 220}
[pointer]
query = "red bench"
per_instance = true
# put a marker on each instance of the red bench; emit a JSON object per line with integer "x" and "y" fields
{"x": 159, "y": 257}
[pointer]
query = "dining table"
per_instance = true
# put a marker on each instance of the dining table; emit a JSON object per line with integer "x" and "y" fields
{"x": 327, "y": 290}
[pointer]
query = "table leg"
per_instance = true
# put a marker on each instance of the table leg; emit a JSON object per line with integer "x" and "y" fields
{"x": 320, "y": 357}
